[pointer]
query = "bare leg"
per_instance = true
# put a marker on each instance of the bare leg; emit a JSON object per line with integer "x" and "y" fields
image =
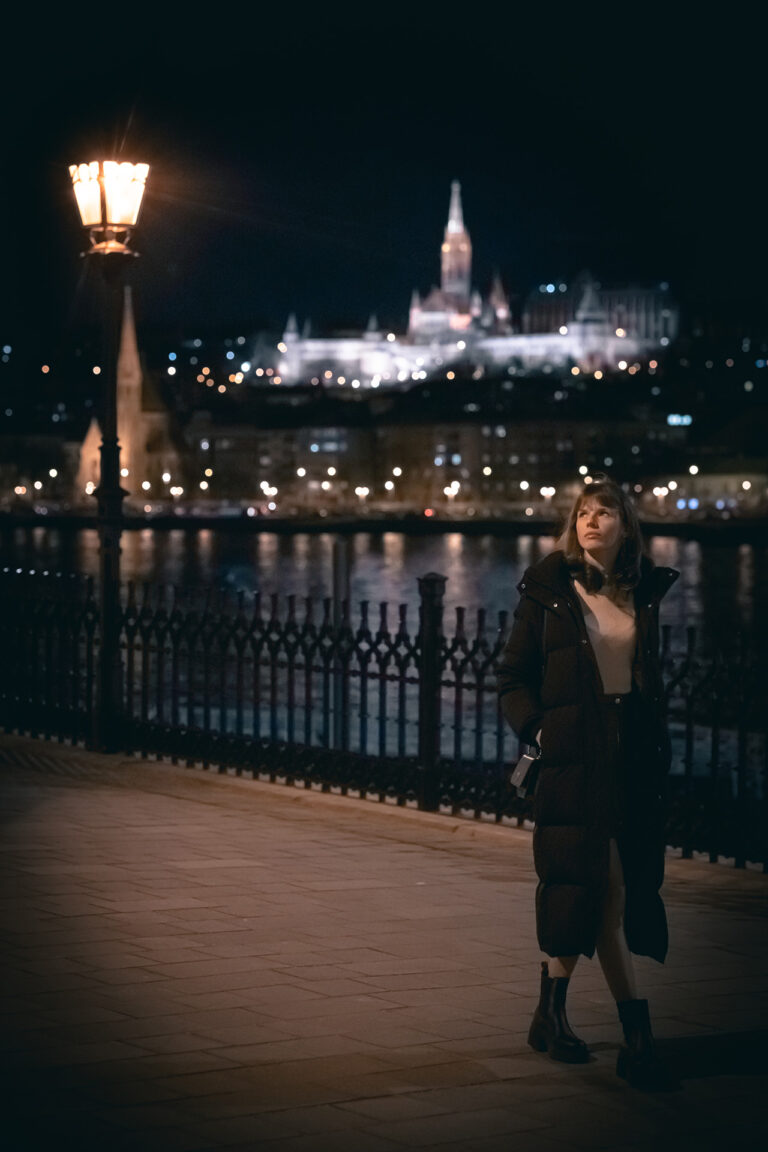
{"x": 559, "y": 966}
{"x": 612, "y": 951}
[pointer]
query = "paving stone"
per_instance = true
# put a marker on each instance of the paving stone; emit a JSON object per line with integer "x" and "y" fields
{"x": 447, "y": 1128}
{"x": 194, "y": 961}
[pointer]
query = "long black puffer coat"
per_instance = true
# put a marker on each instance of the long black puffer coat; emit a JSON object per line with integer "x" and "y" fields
{"x": 548, "y": 679}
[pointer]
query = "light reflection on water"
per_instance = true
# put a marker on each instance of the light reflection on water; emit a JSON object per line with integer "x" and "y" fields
{"x": 722, "y": 588}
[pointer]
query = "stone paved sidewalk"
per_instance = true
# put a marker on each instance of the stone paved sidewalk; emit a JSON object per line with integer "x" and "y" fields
{"x": 193, "y": 962}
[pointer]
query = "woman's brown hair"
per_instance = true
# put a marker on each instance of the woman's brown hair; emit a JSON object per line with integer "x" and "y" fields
{"x": 626, "y": 570}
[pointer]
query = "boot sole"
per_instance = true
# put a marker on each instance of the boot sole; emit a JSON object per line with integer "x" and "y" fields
{"x": 539, "y": 1043}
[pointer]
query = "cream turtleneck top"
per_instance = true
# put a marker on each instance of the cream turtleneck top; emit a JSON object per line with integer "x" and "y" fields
{"x": 612, "y": 633}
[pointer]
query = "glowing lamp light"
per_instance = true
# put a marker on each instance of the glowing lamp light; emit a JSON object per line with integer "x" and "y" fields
{"x": 109, "y": 196}
{"x": 85, "y": 178}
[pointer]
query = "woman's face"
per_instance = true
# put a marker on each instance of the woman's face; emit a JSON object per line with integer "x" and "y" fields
{"x": 599, "y": 530}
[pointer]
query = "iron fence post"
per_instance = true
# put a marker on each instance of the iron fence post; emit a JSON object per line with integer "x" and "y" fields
{"x": 341, "y": 581}
{"x": 431, "y": 592}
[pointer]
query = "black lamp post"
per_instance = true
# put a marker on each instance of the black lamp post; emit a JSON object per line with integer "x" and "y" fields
{"x": 109, "y": 198}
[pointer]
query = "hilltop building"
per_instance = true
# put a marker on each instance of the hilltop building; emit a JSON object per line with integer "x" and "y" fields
{"x": 583, "y": 326}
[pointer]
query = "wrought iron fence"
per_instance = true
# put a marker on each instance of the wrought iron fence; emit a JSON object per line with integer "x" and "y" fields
{"x": 368, "y": 706}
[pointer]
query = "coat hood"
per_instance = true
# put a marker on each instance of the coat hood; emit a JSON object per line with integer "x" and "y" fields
{"x": 551, "y": 576}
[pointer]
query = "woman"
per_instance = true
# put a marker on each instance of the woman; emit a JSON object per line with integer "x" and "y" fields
{"x": 580, "y": 677}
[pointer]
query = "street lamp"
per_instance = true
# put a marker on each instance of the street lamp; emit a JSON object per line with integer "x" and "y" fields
{"x": 109, "y": 195}
{"x": 451, "y": 491}
{"x": 547, "y": 492}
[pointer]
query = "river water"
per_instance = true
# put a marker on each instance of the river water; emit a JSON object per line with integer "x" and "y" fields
{"x": 722, "y": 589}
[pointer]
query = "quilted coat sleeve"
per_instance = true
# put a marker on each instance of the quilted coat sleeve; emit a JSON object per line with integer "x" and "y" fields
{"x": 519, "y": 671}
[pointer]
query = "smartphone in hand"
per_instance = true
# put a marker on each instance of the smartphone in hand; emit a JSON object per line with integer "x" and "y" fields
{"x": 525, "y": 774}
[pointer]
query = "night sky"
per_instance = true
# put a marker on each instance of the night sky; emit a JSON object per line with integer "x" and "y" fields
{"x": 305, "y": 164}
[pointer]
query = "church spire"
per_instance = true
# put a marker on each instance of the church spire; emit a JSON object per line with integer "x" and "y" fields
{"x": 455, "y": 214}
{"x": 128, "y": 362}
{"x": 456, "y": 255}
{"x": 129, "y": 400}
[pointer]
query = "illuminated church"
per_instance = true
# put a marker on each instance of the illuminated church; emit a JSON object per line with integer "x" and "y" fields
{"x": 562, "y": 326}
{"x": 147, "y": 447}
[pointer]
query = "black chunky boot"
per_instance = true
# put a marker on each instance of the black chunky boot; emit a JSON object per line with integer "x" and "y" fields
{"x": 550, "y": 1031}
{"x": 638, "y": 1062}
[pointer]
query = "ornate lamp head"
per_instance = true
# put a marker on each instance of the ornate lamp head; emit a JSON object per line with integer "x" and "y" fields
{"x": 109, "y": 196}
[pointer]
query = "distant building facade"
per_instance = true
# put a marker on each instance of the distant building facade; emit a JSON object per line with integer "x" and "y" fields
{"x": 482, "y": 459}
{"x": 584, "y": 326}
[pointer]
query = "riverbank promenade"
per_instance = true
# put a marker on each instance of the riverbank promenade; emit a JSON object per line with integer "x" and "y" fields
{"x": 193, "y": 961}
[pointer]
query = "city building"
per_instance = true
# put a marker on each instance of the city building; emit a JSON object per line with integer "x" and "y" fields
{"x": 582, "y": 325}
{"x": 490, "y": 447}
